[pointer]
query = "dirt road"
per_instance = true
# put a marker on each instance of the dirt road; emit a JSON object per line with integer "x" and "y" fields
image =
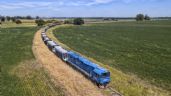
{"x": 74, "y": 83}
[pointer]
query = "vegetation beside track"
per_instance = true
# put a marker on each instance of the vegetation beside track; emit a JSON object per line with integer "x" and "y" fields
{"x": 141, "y": 48}
{"x": 20, "y": 74}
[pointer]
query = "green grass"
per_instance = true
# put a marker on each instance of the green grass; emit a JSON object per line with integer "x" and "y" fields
{"x": 25, "y": 23}
{"x": 20, "y": 74}
{"x": 142, "y": 48}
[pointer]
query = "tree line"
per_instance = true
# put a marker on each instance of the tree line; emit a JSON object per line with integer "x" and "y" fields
{"x": 76, "y": 21}
{"x": 14, "y": 18}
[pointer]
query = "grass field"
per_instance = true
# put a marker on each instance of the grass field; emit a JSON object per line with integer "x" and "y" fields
{"x": 20, "y": 74}
{"x": 141, "y": 48}
{"x": 25, "y": 23}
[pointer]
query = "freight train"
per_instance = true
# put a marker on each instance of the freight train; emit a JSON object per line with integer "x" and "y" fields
{"x": 97, "y": 74}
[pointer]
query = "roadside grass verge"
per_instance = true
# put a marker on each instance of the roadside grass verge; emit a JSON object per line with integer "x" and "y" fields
{"x": 21, "y": 75}
{"x": 132, "y": 47}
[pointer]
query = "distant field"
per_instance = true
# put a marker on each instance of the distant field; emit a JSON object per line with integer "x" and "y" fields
{"x": 142, "y": 48}
{"x": 20, "y": 73}
{"x": 25, "y": 23}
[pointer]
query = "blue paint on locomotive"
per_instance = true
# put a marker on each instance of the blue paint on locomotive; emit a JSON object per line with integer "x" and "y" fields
{"x": 93, "y": 71}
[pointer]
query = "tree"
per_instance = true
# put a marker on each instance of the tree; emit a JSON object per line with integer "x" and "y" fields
{"x": 13, "y": 19}
{"x": 147, "y": 17}
{"x": 40, "y": 22}
{"x": 18, "y": 22}
{"x": 78, "y": 21}
{"x": 28, "y": 17}
{"x": 37, "y": 17}
{"x": 8, "y": 18}
{"x": 140, "y": 17}
{"x": 2, "y": 19}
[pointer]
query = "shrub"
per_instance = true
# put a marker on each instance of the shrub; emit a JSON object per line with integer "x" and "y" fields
{"x": 68, "y": 22}
{"x": 78, "y": 21}
{"x": 40, "y": 22}
{"x": 18, "y": 22}
{"x": 13, "y": 19}
{"x": 140, "y": 17}
{"x": 147, "y": 17}
{"x": 2, "y": 19}
{"x": 8, "y": 18}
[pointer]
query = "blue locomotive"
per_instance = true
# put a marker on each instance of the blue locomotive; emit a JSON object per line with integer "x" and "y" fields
{"x": 96, "y": 73}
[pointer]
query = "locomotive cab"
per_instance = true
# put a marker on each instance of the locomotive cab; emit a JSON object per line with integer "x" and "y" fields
{"x": 101, "y": 76}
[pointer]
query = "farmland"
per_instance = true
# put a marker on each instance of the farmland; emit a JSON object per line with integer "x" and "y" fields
{"x": 25, "y": 23}
{"x": 139, "y": 48}
{"x": 21, "y": 74}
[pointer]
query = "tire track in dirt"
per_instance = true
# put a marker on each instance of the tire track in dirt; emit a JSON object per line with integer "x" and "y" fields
{"x": 74, "y": 83}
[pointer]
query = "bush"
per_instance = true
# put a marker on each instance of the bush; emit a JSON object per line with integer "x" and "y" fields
{"x": 2, "y": 19}
{"x": 140, "y": 17}
{"x": 40, "y": 22}
{"x": 147, "y": 17}
{"x": 8, "y": 18}
{"x": 68, "y": 22}
{"x": 18, "y": 22}
{"x": 78, "y": 21}
{"x": 13, "y": 19}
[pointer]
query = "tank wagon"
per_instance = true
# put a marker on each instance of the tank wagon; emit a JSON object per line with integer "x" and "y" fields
{"x": 61, "y": 53}
{"x": 46, "y": 39}
{"x": 51, "y": 45}
{"x": 43, "y": 33}
{"x": 99, "y": 75}
{"x": 43, "y": 36}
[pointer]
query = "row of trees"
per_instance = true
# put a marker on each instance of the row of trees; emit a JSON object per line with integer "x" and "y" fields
{"x": 7, "y": 18}
{"x": 39, "y": 21}
{"x": 141, "y": 17}
{"x": 13, "y": 18}
{"x": 76, "y": 21}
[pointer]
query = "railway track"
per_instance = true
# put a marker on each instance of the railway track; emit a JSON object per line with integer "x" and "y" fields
{"x": 114, "y": 92}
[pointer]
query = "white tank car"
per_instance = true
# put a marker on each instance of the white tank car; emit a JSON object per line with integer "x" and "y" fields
{"x": 61, "y": 52}
{"x": 51, "y": 44}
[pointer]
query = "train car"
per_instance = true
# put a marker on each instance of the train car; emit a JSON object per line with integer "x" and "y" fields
{"x": 46, "y": 39}
{"x": 43, "y": 37}
{"x": 61, "y": 53}
{"x": 96, "y": 73}
{"x": 43, "y": 33}
{"x": 51, "y": 45}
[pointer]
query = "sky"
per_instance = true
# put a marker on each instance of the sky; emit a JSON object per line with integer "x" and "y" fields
{"x": 85, "y": 8}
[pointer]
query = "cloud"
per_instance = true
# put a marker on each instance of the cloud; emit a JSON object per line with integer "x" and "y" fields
{"x": 17, "y": 5}
{"x": 56, "y": 4}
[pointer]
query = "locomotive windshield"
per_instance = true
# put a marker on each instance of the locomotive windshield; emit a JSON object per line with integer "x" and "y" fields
{"x": 107, "y": 74}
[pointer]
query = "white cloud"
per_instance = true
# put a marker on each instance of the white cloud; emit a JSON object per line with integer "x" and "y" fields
{"x": 55, "y": 5}
{"x": 17, "y": 5}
